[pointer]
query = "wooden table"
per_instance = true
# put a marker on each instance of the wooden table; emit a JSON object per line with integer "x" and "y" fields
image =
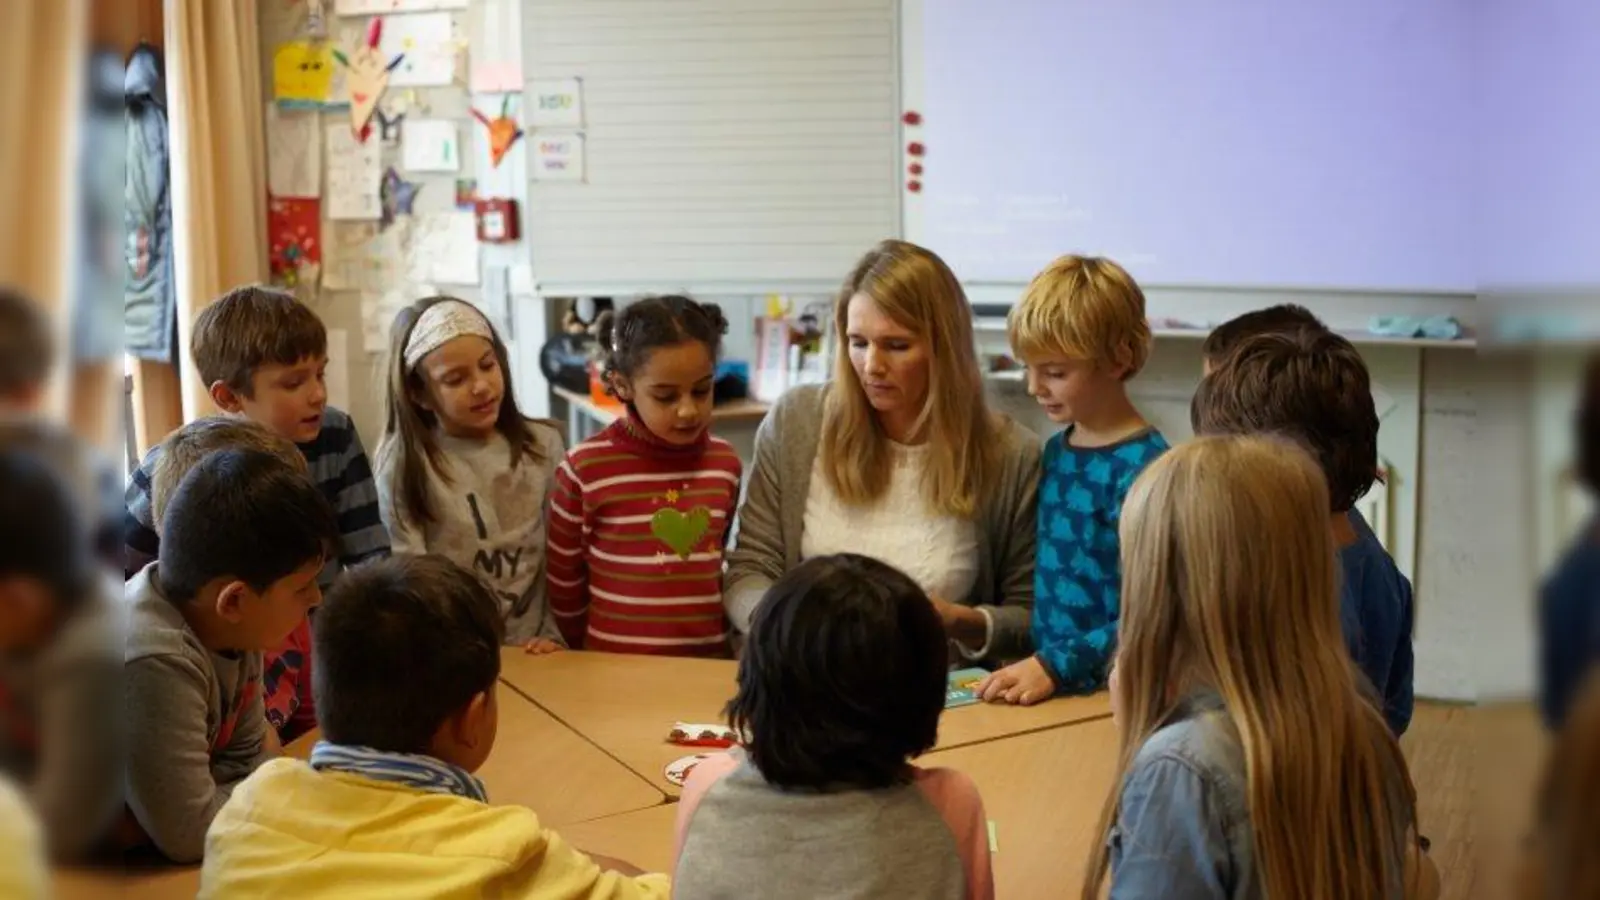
{"x": 1043, "y": 792}
{"x": 626, "y": 704}
{"x": 582, "y": 411}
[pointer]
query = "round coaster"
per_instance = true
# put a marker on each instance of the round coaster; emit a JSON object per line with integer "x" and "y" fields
{"x": 678, "y": 770}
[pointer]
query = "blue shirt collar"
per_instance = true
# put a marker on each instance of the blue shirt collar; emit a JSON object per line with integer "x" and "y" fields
{"x": 412, "y": 770}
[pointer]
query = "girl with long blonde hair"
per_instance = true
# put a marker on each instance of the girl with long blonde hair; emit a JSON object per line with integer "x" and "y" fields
{"x": 1251, "y": 764}
{"x": 899, "y": 458}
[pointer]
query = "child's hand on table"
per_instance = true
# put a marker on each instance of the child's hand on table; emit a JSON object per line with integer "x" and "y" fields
{"x": 542, "y": 646}
{"x": 1024, "y": 682}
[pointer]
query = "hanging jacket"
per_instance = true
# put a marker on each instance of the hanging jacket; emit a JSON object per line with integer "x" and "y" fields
{"x": 149, "y": 301}
{"x": 97, "y": 310}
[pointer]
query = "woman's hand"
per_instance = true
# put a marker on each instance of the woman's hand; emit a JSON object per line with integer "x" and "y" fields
{"x": 542, "y": 646}
{"x": 1024, "y": 683}
{"x": 961, "y": 623}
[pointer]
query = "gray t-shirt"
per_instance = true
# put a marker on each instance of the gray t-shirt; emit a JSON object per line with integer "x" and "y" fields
{"x": 489, "y": 516}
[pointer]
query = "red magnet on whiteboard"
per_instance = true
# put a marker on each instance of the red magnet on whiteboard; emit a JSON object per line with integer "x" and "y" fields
{"x": 914, "y": 168}
{"x": 914, "y": 186}
{"x": 912, "y": 117}
{"x": 914, "y": 148}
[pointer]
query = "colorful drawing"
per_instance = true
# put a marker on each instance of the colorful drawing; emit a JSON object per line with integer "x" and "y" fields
{"x": 367, "y": 77}
{"x": 397, "y": 196}
{"x": 302, "y": 74}
{"x": 294, "y": 239}
{"x": 503, "y": 130}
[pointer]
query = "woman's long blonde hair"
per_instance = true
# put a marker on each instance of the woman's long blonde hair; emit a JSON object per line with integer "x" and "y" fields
{"x": 919, "y": 292}
{"x": 1229, "y": 584}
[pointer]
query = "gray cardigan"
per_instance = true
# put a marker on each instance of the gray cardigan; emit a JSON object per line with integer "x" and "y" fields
{"x": 766, "y": 542}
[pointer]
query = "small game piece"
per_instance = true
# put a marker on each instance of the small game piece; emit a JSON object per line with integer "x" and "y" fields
{"x": 691, "y": 735}
{"x": 962, "y": 687}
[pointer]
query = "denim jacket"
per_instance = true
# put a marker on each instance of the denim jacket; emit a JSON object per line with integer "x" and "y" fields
{"x": 1183, "y": 831}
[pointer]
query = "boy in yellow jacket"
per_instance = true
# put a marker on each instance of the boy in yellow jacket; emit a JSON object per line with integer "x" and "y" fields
{"x": 408, "y": 653}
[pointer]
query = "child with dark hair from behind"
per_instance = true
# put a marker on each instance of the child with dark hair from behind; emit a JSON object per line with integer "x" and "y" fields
{"x": 1569, "y": 602}
{"x": 461, "y": 472}
{"x": 641, "y": 510}
{"x": 1282, "y": 317}
{"x": 1312, "y": 386}
{"x": 841, "y": 684}
{"x": 408, "y": 657}
{"x": 243, "y": 542}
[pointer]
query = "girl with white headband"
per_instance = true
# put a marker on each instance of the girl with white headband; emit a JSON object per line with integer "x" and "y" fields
{"x": 460, "y": 472}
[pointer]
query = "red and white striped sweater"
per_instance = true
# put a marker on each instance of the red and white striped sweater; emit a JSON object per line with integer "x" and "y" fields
{"x": 637, "y": 528}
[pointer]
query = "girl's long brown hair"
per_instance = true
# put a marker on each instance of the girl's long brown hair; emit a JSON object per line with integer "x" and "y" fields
{"x": 408, "y": 428}
{"x": 1562, "y": 861}
{"x": 1229, "y": 584}
{"x": 920, "y": 293}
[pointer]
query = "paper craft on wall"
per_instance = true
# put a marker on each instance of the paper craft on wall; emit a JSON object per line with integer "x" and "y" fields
{"x": 443, "y": 248}
{"x": 366, "y": 76}
{"x": 396, "y": 196}
{"x": 429, "y": 45}
{"x": 302, "y": 74}
{"x": 378, "y": 7}
{"x": 432, "y": 145}
{"x": 294, "y": 153}
{"x": 357, "y": 256}
{"x": 496, "y": 57}
{"x": 317, "y": 18}
{"x": 354, "y": 172}
{"x": 503, "y": 130}
{"x": 466, "y": 193}
{"x": 388, "y": 127}
{"x": 558, "y": 156}
{"x": 557, "y": 103}
{"x": 294, "y": 240}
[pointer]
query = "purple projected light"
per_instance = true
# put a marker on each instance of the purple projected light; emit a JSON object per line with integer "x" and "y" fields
{"x": 1229, "y": 143}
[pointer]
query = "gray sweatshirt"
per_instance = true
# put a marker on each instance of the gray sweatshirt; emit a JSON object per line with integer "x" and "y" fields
{"x": 489, "y": 517}
{"x": 196, "y": 724}
{"x": 772, "y": 519}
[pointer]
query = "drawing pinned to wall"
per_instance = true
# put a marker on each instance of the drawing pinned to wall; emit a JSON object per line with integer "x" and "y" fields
{"x": 388, "y": 127}
{"x": 429, "y": 45}
{"x": 354, "y": 172}
{"x": 443, "y": 248}
{"x": 358, "y": 256}
{"x": 503, "y": 130}
{"x": 432, "y": 145}
{"x": 302, "y": 75}
{"x": 366, "y": 77}
{"x": 558, "y": 156}
{"x": 294, "y": 240}
{"x": 557, "y": 103}
{"x": 496, "y": 57}
{"x": 466, "y": 193}
{"x": 396, "y": 195}
{"x": 378, "y": 7}
{"x": 294, "y": 153}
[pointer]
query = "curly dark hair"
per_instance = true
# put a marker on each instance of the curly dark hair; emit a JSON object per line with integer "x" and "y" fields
{"x": 627, "y": 338}
{"x": 844, "y": 676}
{"x": 1308, "y": 384}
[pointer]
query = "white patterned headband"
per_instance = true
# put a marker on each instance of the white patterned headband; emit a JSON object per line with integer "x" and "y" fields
{"x": 441, "y": 323}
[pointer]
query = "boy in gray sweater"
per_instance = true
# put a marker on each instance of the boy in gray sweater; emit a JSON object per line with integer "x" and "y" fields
{"x": 243, "y": 540}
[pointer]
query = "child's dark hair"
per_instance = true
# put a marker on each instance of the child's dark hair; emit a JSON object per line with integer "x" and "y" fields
{"x": 1306, "y": 384}
{"x": 408, "y": 428}
{"x": 844, "y": 676}
{"x": 253, "y": 326}
{"x": 42, "y": 532}
{"x": 401, "y": 645}
{"x": 1588, "y": 427}
{"x": 1282, "y": 317}
{"x": 243, "y": 514}
{"x": 628, "y": 337}
{"x": 27, "y": 347}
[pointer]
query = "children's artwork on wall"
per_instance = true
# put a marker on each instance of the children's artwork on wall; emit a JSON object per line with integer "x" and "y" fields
{"x": 294, "y": 240}
{"x": 357, "y": 256}
{"x": 466, "y": 193}
{"x": 388, "y": 127}
{"x": 558, "y": 156}
{"x": 294, "y": 153}
{"x": 302, "y": 74}
{"x": 354, "y": 171}
{"x": 366, "y": 78}
{"x": 379, "y": 7}
{"x": 430, "y": 47}
{"x": 557, "y": 103}
{"x": 443, "y": 249}
{"x": 317, "y": 18}
{"x": 503, "y": 130}
{"x": 432, "y": 145}
{"x": 397, "y": 196}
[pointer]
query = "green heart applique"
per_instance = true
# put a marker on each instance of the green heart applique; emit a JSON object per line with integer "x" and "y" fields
{"x": 680, "y": 531}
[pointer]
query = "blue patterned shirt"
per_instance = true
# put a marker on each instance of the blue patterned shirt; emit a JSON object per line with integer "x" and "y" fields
{"x": 1077, "y": 580}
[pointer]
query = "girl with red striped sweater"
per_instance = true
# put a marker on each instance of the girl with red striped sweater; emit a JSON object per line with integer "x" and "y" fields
{"x": 640, "y": 512}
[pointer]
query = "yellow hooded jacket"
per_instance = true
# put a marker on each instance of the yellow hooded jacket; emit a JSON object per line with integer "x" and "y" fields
{"x": 291, "y": 831}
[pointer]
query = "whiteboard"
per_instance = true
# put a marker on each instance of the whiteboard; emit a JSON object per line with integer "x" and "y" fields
{"x": 726, "y": 142}
{"x": 1232, "y": 143}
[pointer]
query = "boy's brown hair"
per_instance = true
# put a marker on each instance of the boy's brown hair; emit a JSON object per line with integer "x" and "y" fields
{"x": 1082, "y": 307}
{"x": 186, "y": 447}
{"x": 1282, "y": 317}
{"x": 1308, "y": 384}
{"x": 250, "y": 327}
{"x": 27, "y": 344}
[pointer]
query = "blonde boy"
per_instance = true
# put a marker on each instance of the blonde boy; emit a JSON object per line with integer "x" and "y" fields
{"x": 1080, "y": 330}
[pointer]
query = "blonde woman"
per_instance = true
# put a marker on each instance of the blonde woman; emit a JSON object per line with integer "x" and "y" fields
{"x": 1252, "y": 766}
{"x": 899, "y": 458}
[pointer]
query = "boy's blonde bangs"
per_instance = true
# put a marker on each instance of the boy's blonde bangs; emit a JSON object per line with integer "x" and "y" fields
{"x": 1082, "y": 308}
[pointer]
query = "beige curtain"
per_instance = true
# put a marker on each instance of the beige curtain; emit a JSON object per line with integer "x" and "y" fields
{"x": 41, "y": 91}
{"x": 218, "y": 161}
